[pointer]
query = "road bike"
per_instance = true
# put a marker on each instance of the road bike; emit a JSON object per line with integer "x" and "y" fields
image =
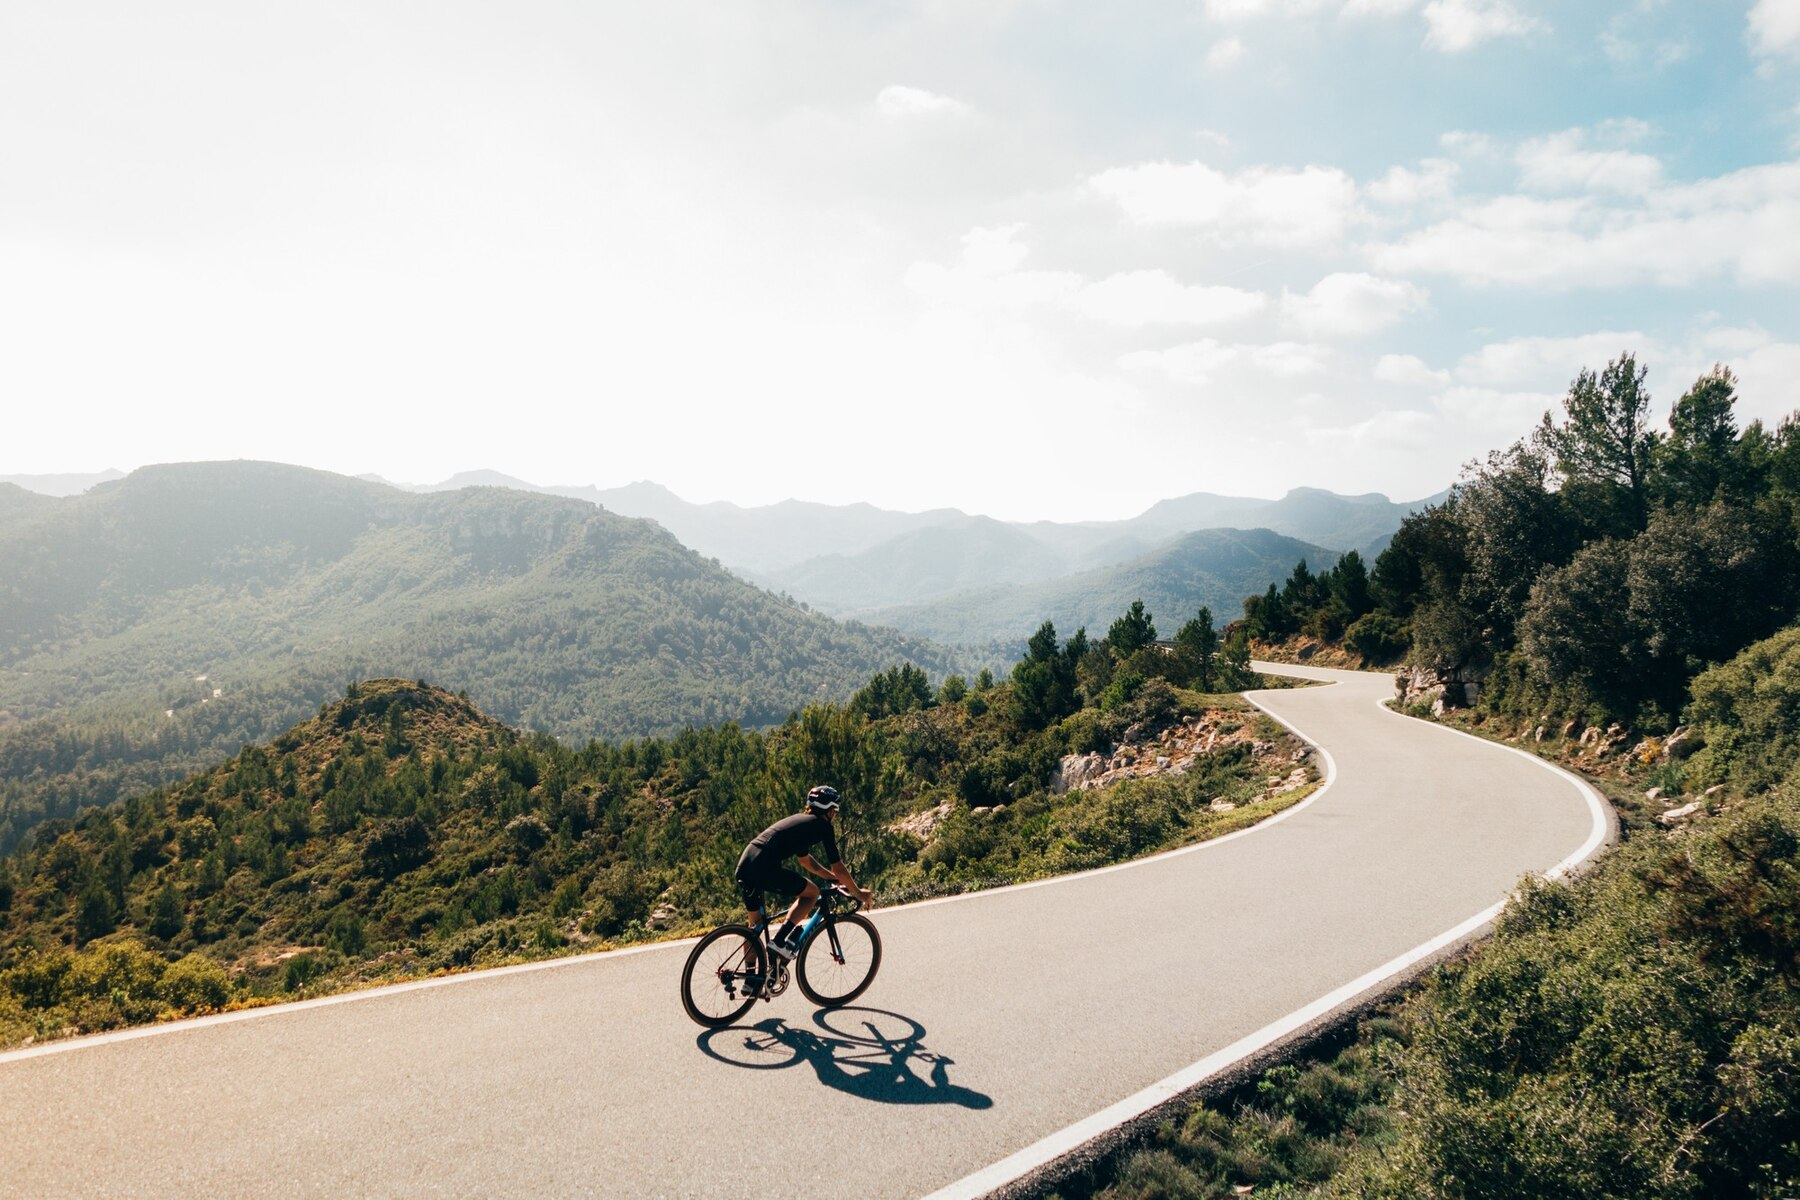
{"x": 733, "y": 967}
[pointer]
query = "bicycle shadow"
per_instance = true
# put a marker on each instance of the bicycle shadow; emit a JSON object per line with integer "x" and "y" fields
{"x": 866, "y": 1052}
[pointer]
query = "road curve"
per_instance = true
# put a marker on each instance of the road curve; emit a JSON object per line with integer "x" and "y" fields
{"x": 1000, "y": 1022}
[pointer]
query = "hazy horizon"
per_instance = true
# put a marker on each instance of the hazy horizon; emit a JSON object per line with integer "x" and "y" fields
{"x": 62, "y": 483}
{"x": 1020, "y": 257}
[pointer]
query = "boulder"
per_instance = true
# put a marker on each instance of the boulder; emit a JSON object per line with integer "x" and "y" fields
{"x": 1076, "y": 770}
{"x": 1221, "y": 805}
{"x": 1681, "y": 743}
{"x": 1654, "y": 793}
{"x": 1678, "y": 814}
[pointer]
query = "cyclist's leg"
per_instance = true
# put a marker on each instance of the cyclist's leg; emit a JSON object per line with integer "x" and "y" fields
{"x": 793, "y": 881}
{"x": 751, "y": 886}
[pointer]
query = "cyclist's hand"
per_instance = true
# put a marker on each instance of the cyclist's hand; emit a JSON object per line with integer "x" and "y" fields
{"x": 865, "y": 897}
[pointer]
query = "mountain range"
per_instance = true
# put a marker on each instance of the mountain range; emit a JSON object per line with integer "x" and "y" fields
{"x": 932, "y": 572}
{"x": 155, "y": 623}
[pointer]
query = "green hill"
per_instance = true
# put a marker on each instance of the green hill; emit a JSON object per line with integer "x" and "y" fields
{"x": 401, "y": 831}
{"x": 1213, "y": 567}
{"x": 159, "y": 622}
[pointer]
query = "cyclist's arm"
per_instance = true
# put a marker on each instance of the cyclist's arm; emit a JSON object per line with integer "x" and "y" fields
{"x": 812, "y": 864}
{"x": 841, "y": 874}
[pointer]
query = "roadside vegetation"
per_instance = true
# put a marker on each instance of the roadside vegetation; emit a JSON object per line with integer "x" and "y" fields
{"x": 1623, "y": 600}
{"x": 402, "y": 832}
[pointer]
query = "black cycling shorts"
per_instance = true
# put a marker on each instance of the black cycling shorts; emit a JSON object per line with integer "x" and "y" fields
{"x": 754, "y": 878}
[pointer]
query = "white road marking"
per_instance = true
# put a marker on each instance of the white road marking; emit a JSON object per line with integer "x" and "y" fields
{"x": 1063, "y": 1141}
{"x": 270, "y": 1010}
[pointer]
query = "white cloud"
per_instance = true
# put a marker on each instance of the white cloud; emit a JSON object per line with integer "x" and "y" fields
{"x": 1260, "y": 205}
{"x": 898, "y": 101}
{"x": 1494, "y": 414}
{"x": 1156, "y": 298}
{"x": 1225, "y": 53}
{"x": 1545, "y": 363}
{"x": 1562, "y": 162}
{"x": 993, "y": 251}
{"x": 1350, "y": 304}
{"x": 1458, "y": 25}
{"x": 1401, "y": 431}
{"x": 1744, "y": 225}
{"x": 986, "y": 277}
{"x": 1403, "y": 187}
{"x": 1378, "y": 8}
{"x": 1408, "y": 371}
{"x": 1200, "y": 363}
{"x": 1467, "y": 143}
{"x": 1244, "y": 10}
{"x": 1774, "y": 28}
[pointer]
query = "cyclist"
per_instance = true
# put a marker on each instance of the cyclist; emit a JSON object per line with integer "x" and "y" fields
{"x": 760, "y": 869}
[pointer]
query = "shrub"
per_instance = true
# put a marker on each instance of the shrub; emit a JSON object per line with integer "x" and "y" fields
{"x": 1378, "y": 638}
{"x": 195, "y": 983}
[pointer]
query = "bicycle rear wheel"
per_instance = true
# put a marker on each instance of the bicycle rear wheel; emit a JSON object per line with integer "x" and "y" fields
{"x": 839, "y": 960}
{"x": 716, "y": 984}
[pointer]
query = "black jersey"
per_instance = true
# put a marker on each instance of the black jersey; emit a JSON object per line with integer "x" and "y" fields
{"x": 793, "y": 835}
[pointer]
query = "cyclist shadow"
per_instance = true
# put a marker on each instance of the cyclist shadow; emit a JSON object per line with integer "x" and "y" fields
{"x": 866, "y": 1052}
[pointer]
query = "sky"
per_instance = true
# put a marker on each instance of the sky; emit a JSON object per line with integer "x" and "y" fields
{"x": 1026, "y": 258}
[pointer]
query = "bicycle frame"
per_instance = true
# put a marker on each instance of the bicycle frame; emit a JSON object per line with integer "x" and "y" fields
{"x": 823, "y": 911}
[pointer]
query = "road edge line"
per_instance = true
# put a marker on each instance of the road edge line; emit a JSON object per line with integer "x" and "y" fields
{"x": 95, "y": 1040}
{"x": 1040, "y": 1154}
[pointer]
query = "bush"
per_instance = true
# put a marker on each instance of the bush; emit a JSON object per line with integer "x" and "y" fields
{"x": 1749, "y": 713}
{"x": 195, "y": 983}
{"x": 1378, "y": 638}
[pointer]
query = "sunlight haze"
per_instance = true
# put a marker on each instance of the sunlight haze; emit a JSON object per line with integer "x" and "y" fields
{"x": 1034, "y": 260}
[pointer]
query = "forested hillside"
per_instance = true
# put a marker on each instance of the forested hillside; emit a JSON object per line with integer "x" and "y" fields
{"x": 401, "y": 831}
{"x": 1216, "y": 568}
{"x": 1592, "y": 569}
{"x": 159, "y": 622}
{"x": 1621, "y": 598}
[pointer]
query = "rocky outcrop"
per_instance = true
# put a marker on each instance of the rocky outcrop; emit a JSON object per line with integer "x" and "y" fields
{"x": 1455, "y": 687}
{"x": 923, "y": 824}
{"x": 1173, "y": 752}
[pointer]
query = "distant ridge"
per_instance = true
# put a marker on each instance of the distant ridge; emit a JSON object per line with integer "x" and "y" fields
{"x": 62, "y": 485}
{"x": 854, "y": 559}
{"x": 1212, "y": 567}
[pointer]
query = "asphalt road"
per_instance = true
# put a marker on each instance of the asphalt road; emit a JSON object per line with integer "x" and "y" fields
{"x": 997, "y": 1020}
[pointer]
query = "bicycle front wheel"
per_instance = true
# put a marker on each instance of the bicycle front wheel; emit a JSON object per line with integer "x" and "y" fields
{"x": 720, "y": 981}
{"x": 839, "y": 960}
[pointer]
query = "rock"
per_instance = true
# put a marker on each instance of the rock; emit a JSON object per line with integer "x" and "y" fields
{"x": 662, "y": 916}
{"x": 923, "y": 824}
{"x": 1589, "y": 736}
{"x": 980, "y": 811}
{"x": 1538, "y": 734}
{"x": 1307, "y": 651}
{"x": 1568, "y": 730}
{"x": 1676, "y": 814}
{"x": 1712, "y": 791}
{"x": 1221, "y": 805}
{"x": 1654, "y": 793}
{"x": 1162, "y": 762}
{"x": 1075, "y": 770}
{"x": 1681, "y": 743}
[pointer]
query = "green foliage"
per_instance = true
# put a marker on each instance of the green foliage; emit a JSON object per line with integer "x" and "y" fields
{"x": 1618, "y": 562}
{"x": 1631, "y": 1034}
{"x": 402, "y": 831}
{"x": 1131, "y": 632}
{"x": 277, "y": 584}
{"x": 1378, "y": 638}
{"x": 44, "y": 993}
{"x": 1748, "y": 711}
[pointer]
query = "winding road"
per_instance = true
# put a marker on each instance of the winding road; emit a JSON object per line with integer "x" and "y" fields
{"x": 1005, "y": 1027}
